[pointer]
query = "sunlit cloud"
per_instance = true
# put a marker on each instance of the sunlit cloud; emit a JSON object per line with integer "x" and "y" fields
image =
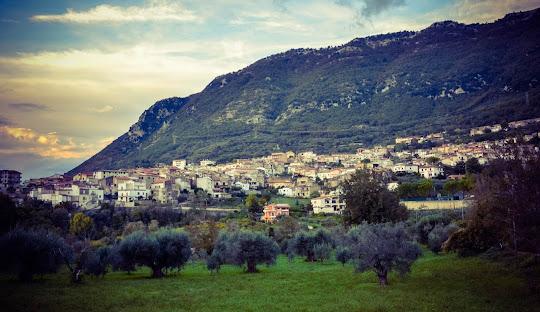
{"x": 18, "y": 140}
{"x": 103, "y": 109}
{"x": 154, "y": 11}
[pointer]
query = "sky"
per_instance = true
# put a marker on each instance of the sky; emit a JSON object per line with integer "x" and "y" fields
{"x": 75, "y": 74}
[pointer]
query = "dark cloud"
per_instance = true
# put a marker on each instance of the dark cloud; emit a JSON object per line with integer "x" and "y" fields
{"x": 28, "y": 107}
{"x": 369, "y": 8}
{"x": 4, "y": 121}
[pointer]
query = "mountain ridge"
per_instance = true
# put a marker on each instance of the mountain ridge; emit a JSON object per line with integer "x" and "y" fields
{"x": 365, "y": 91}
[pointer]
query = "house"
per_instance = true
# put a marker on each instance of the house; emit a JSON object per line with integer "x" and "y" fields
{"x": 272, "y": 211}
{"x": 102, "y": 174}
{"x": 286, "y": 191}
{"x": 402, "y": 168}
{"x": 331, "y": 203}
{"x": 429, "y": 172}
{"x": 179, "y": 163}
{"x": 130, "y": 191}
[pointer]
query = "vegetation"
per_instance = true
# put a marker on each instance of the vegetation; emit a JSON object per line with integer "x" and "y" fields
{"x": 368, "y": 199}
{"x": 506, "y": 213}
{"x": 314, "y": 246}
{"x": 382, "y": 248}
{"x": 243, "y": 248}
{"x": 30, "y": 252}
{"x": 164, "y": 249}
{"x": 436, "y": 283}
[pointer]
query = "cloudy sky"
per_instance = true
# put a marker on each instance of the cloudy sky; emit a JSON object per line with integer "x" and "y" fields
{"x": 76, "y": 74}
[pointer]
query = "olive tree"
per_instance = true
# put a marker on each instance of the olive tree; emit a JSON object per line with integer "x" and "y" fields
{"x": 243, "y": 248}
{"x": 164, "y": 249}
{"x": 96, "y": 261}
{"x": 314, "y": 246}
{"x": 382, "y": 248}
{"x": 30, "y": 252}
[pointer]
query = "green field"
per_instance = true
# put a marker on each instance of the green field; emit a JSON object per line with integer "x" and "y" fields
{"x": 437, "y": 283}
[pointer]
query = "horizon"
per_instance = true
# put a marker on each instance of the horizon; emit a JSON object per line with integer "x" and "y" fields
{"x": 70, "y": 67}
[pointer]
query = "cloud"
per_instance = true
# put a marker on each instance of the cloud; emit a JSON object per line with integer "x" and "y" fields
{"x": 103, "y": 109}
{"x": 153, "y": 11}
{"x": 369, "y": 8}
{"x": 28, "y": 107}
{"x": 17, "y": 140}
{"x": 4, "y": 121}
{"x": 475, "y": 11}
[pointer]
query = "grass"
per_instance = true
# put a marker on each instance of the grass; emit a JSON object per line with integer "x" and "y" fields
{"x": 437, "y": 283}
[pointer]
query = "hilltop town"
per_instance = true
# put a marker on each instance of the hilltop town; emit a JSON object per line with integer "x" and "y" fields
{"x": 411, "y": 161}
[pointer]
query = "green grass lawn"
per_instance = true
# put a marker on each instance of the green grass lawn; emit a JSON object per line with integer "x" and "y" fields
{"x": 437, "y": 283}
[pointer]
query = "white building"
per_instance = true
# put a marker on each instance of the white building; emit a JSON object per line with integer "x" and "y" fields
{"x": 102, "y": 174}
{"x": 179, "y": 163}
{"x": 429, "y": 172}
{"x": 131, "y": 191}
{"x": 405, "y": 168}
{"x": 286, "y": 191}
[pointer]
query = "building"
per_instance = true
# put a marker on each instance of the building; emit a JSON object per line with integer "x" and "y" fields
{"x": 102, "y": 174}
{"x": 328, "y": 204}
{"x": 429, "y": 172}
{"x": 272, "y": 211}
{"x": 401, "y": 168}
{"x": 9, "y": 178}
{"x": 131, "y": 191}
{"x": 179, "y": 163}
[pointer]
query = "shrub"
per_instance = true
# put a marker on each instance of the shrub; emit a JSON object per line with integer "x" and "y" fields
{"x": 30, "y": 252}
{"x": 243, "y": 248}
{"x": 382, "y": 248}
{"x": 439, "y": 235}
{"x": 304, "y": 244}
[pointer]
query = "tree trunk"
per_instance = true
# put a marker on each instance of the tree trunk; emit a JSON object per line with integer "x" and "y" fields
{"x": 383, "y": 278}
{"x": 251, "y": 267}
{"x": 157, "y": 272}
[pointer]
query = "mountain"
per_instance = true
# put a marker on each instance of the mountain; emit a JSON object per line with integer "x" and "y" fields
{"x": 367, "y": 91}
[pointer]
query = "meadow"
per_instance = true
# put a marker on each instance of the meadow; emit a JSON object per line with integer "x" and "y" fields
{"x": 436, "y": 283}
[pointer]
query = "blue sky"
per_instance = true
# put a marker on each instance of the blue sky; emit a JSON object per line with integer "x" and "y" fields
{"x": 74, "y": 75}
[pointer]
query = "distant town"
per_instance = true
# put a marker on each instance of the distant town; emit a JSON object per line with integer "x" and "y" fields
{"x": 303, "y": 175}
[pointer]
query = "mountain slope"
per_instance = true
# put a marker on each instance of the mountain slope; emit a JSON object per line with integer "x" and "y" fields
{"x": 364, "y": 92}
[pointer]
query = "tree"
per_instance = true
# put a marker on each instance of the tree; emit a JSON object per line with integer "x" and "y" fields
{"x": 30, "y": 252}
{"x": 368, "y": 199}
{"x": 203, "y": 235}
{"x": 506, "y": 212}
{"x": 252, "y": 204}
{"x": 343, "y": 254}
{"x": 473, "y": 166}
{"x": 8, "y": 213}
{"x": 243, "y": 248}
{"x": 309, "y": 244}
{"x": 81, "y": 225}
{"x": 164, "y": 249}
{"x": 382, "y": 248}
{"x": 96, "y": 261}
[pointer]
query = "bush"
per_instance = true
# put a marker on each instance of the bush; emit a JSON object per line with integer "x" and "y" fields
{"x": 164, "y": 249}
{"x": 426, "y": 224}
{"x": 30, "y": 252}
{"x": 243, "y": 248}
{"x": 305, "y": 244}
{"x": 382, "y": 248}
{"x": 439, "y": 235}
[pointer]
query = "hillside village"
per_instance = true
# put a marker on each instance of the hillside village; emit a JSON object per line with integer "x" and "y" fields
{"x": 303, "y": 175}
